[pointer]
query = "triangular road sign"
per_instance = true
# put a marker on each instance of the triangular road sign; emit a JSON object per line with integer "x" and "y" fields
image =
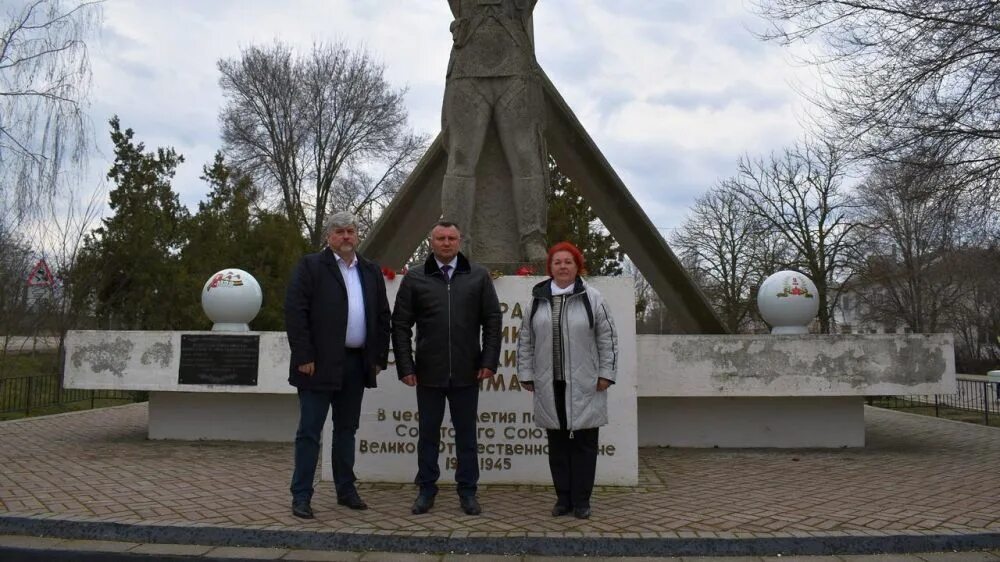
{"x": 40, "y": 275}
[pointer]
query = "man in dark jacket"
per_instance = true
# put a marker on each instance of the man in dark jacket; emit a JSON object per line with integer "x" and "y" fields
{"x": 452, "y": 301}
{"x": 337, "y": 319}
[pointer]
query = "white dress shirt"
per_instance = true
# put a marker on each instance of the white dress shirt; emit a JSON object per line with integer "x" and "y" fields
{"x": 355, "y": 302}
{"x": 453, "y": 263}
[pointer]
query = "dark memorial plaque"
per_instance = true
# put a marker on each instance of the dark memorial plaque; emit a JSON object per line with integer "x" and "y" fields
{"x": 218, "y": 359}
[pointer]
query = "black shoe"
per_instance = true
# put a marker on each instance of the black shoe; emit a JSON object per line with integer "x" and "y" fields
{"x": 559, "y": 510}
{"x": 422, "y": 504}
{"x": 581, "y": 513}
{"x": 352, "y": 501}
{"x": 470, "y": 505}
{"x": 302, "y": 510}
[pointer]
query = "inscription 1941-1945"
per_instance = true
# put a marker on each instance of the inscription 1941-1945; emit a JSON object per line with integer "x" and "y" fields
{"x": 218, "y": 359}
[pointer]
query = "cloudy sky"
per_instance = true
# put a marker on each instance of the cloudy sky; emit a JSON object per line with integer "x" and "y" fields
{"x": 672, "y": 91}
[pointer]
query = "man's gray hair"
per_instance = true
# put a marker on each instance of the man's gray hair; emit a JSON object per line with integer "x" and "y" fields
{"x": 342, "y": 219}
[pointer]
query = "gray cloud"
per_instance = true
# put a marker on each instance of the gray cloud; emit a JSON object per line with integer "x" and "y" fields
{"x": 750, "y": 95}
{"x": 666, "y": 180}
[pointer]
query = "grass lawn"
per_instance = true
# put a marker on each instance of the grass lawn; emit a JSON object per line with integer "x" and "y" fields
{"x": 66, "y": 407}
{"x": 45, "y": 394}
{"x": 28, "y": 365}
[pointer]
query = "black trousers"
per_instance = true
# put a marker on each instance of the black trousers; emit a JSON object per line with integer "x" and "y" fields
{"x": 572, "y": 457}
{"x": 463, "y": 401}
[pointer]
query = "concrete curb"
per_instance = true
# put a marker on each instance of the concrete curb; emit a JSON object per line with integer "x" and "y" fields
{"x": 42, "y": 555}
{"x": 543, "y": 546}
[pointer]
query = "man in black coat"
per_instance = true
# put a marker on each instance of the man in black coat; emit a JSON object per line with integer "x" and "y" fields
{"x": 452, "y": 301}
{"x": 337, "y": 319}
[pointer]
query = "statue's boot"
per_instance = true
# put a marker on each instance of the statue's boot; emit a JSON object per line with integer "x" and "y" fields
{"x": 458, "y": 202}
{"x": 532, "y": 217}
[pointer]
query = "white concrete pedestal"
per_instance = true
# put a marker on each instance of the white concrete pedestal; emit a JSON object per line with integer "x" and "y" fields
{"x": 785, "y": 422}
{"x": 223, "y": 416}
{"x": 779, "y": 390}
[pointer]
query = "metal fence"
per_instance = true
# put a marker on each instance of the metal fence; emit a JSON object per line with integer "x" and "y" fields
{"x": 976, "y": 400}
{"x": 24, "y": 394}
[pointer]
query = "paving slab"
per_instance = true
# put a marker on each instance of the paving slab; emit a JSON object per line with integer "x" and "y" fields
{"x": 797, "y": 559}
{"x": 168, "y": 549}
{"x": 246, "y": 553}
{"x": 84, "y": 545}
{"x": 881, "y": 558}
{"x": 21, "y": 541}
{"x": 481, "y": 558}
{"x": 715, "y": 559}
{"x": 958, "y": 556}
{"x": 322, "y": 556}
{"x": 399, "y": 557}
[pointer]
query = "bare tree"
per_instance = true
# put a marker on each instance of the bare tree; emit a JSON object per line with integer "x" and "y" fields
{"x": 56, "y": 238}
{"x": 44, "y": 84}
{"x": 650, "y": 312}
{"x": 727, "y": 249}
{"x": 904, "y": 73}
{"x": 799, "y": 196}
{"x": 975, "y": 316}
{"x": 911, "y": 246}
{"x": 644, "y": 294}
{"x": 15, "y": 265}
{"x": 367, "y": 192}
{"x": 70, "y": 219}
{"x": 320, "y": 130}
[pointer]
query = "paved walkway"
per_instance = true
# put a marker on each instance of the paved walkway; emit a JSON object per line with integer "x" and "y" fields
{"x": 920, "y": 484}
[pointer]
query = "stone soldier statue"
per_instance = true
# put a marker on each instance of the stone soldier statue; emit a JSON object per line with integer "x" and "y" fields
{"x": 493, "y": 77}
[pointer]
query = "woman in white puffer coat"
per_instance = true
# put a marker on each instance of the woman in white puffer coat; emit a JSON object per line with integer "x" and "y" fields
{"x": 567, "y": 356}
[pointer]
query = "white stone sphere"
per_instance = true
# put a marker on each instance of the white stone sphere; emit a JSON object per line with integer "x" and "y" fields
{"x": 788, "y": 301}
{"x": 231, "y": 299}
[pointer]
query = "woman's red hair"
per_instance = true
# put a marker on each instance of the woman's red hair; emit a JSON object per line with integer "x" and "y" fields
{"x": 581, "y": 268}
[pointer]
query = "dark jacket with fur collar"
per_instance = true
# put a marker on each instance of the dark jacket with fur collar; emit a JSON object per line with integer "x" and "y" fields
{"x": 458, "y": 324}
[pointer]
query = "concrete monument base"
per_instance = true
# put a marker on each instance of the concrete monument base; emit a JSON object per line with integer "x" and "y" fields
{"x": 780, "y": 390}
{"x": 693, "y": 391}
{"x": 223, "y": 416}
{"x": 788, "y": 422}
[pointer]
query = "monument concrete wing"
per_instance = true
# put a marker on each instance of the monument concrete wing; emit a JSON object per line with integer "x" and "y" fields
{"x": 417, "y": 206}
{"x": 411, "y": 214}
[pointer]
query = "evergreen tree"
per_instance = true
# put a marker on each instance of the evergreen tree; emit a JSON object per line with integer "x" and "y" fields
{"x": 572, "y": 219}
{"x": 278, "y": 244}
{"x": 134, "y": 256}
{"x": 217, "y": 237}
{"x": 227, "y": 232}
